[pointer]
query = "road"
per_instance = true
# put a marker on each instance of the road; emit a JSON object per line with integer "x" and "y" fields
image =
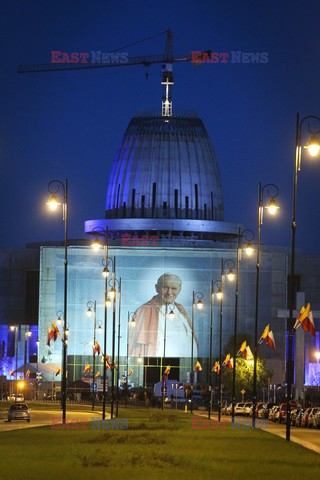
{"x": 47, "y": 417}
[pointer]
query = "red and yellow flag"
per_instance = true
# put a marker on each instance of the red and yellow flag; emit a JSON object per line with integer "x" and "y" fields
{"x": 197, "y": 366}
{"x": 52, "y": 333}
{"x": 242, "y": 348}
{"x": 96, "y": 348}
{"x": 228, "y": 362}
{"x": 130, "y": 372}
{"x": 58, "y": 371}
{"x": 305, "y": 319}
{"x": 216, "y": 368}
{"x": 167, "y": 370}
{"x": 87, "y": 368}
{"x": 267, "y": 336}
{"x": 12, "y": 373}
{"x": 28, "y": 373}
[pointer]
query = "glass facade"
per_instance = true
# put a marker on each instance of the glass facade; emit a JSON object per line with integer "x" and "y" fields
{"x": 190, "y": 269}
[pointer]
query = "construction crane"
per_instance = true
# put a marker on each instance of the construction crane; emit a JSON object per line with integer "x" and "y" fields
{"x": 167, "y": 59}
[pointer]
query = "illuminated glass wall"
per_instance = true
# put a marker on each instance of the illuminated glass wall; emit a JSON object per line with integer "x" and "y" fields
{"x": 191, "y": 269}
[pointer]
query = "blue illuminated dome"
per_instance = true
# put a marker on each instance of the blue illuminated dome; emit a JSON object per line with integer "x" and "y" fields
{"x": 165, "y": 177}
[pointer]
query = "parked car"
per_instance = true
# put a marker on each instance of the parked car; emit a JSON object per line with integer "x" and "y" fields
{"x": 247, "y": 409}
{"x": 259, "y": 407}
{"x": 317, "y": 419}
{"x": 276, "y": 413}
{"x": 268, "y": 407}
{"x": 311, "y": 418}
{"x": 19, "y": 411}
{"x": 299, "y": 416}
{"x": 272, "y": 412}
{"x": 227, "y": 409}
{"x": 239, "y": 408}
{"x": 283, "y": 411}
{"x": 305, "y": 416}
{"x": 12, "y": 397}
{"x": 294, "y": 415}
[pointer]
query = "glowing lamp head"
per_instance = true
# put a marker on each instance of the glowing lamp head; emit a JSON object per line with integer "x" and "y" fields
{"x": 219, "y": 294}
{"x": 249, "y": 249}
{"x": 59, "y": 320}
{"x": 272, "y": 206}
{"x": 139, "y": 359}
{"x": 12, "y": 328}
{"x": 133, "y": 322}
{"x": 317, "y": 355}
{"x": 112, "y": 292}
{"x": 89, "y": 312}
{"x": 313, "y": 146}
{"x": 105, "y": 272}
{"x": 99, "y": 330}
{"x": 29, "y": 333}
{"x": 95, "y": 245}
{"x": 171, "y": 314}
{"x": 37, "y": 342}
{"x": 53, "y": 202}
{"x": 231, "y": 275}
{"x": 108, "y": 302}
{"x": 67, "y": 331}
{"x": 21, "y": 384}
{"x": 200, "y": 304}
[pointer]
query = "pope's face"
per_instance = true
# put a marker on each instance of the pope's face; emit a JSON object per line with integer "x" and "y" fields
{"x": 168, "y": 290}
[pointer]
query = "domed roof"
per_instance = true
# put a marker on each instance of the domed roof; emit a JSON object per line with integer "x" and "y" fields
{"x": 165, "y": 178}
{"x": 165, "y": 169}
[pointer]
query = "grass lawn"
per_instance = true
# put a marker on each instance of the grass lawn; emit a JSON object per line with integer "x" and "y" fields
{"x": 156, "y": 444}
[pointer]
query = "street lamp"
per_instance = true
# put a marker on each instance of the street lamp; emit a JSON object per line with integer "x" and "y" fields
{"x": 15, "y": 329}
{"x": 163, "y": 361}
{"x": 118, "y": 350}
{"x": 130, "y": 324}
{"x": 219, "y": 284}
{"x": 313, "y": 148}
{"x": 37, "y": 379}
{"x": 248, "y": 236}
{"x": 96, "y": 244}
{"x": 272, "y": 207}
{"x": 196, "y": 296}
{"x": 54, "y": 187}
{"x": 27, "y": 335}
{"x": 92, "y": 310}
{"x": 112, "y": 293}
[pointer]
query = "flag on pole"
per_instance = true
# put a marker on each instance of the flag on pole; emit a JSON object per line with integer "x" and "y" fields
{"x": 130, "y": 372}
{"x": 52, "y": 333}
{"x": 12, "y": 373}
{"x": 87, "y": 368}
{"x": 58, "y": 371}
{"x": 216, "y": 368}
{"x": 242, "y": 348}
{"x": 228, "y": 362}
{"x": 96, "y": 348}
{"x": 28, "y": 373}
{"x": 197, "y": 366}
{"x": 305, "y": 319}
{"x": 167, "y": 370}
{"x": 267, "y": 336}
{"x": 247, "y": 354}
{"x": 98, "y": 374}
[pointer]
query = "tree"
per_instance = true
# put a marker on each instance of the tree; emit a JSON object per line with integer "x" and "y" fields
{"x": 244, "y": 370}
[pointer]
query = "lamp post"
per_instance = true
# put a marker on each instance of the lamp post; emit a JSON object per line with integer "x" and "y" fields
{"x": 96, "y": 244}
{"x": 118, "y": 350}
{"x": 272, "y": 208}
{"x": 230, "y": 265}
{"x": 53, "y": 187}
{"x": 248, "y": 235}
{"x": 131, "y": 323}
{"x": 92, "y": 309}
{"x": 112, "y": 293}
{"x": 37, "y": 379}
{"x": 195, "y": 296}
{"x": 313, "y": 148}
{"x": 15, "y": 328}
{"x": 164, "y": 356}
{"x": 27, "y": 335}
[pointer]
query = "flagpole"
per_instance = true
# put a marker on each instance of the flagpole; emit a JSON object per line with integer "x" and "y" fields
{"x": 235, "y": 327}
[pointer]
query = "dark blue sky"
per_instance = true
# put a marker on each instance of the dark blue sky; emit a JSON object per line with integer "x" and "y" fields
{"x": 57, "y": 125}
